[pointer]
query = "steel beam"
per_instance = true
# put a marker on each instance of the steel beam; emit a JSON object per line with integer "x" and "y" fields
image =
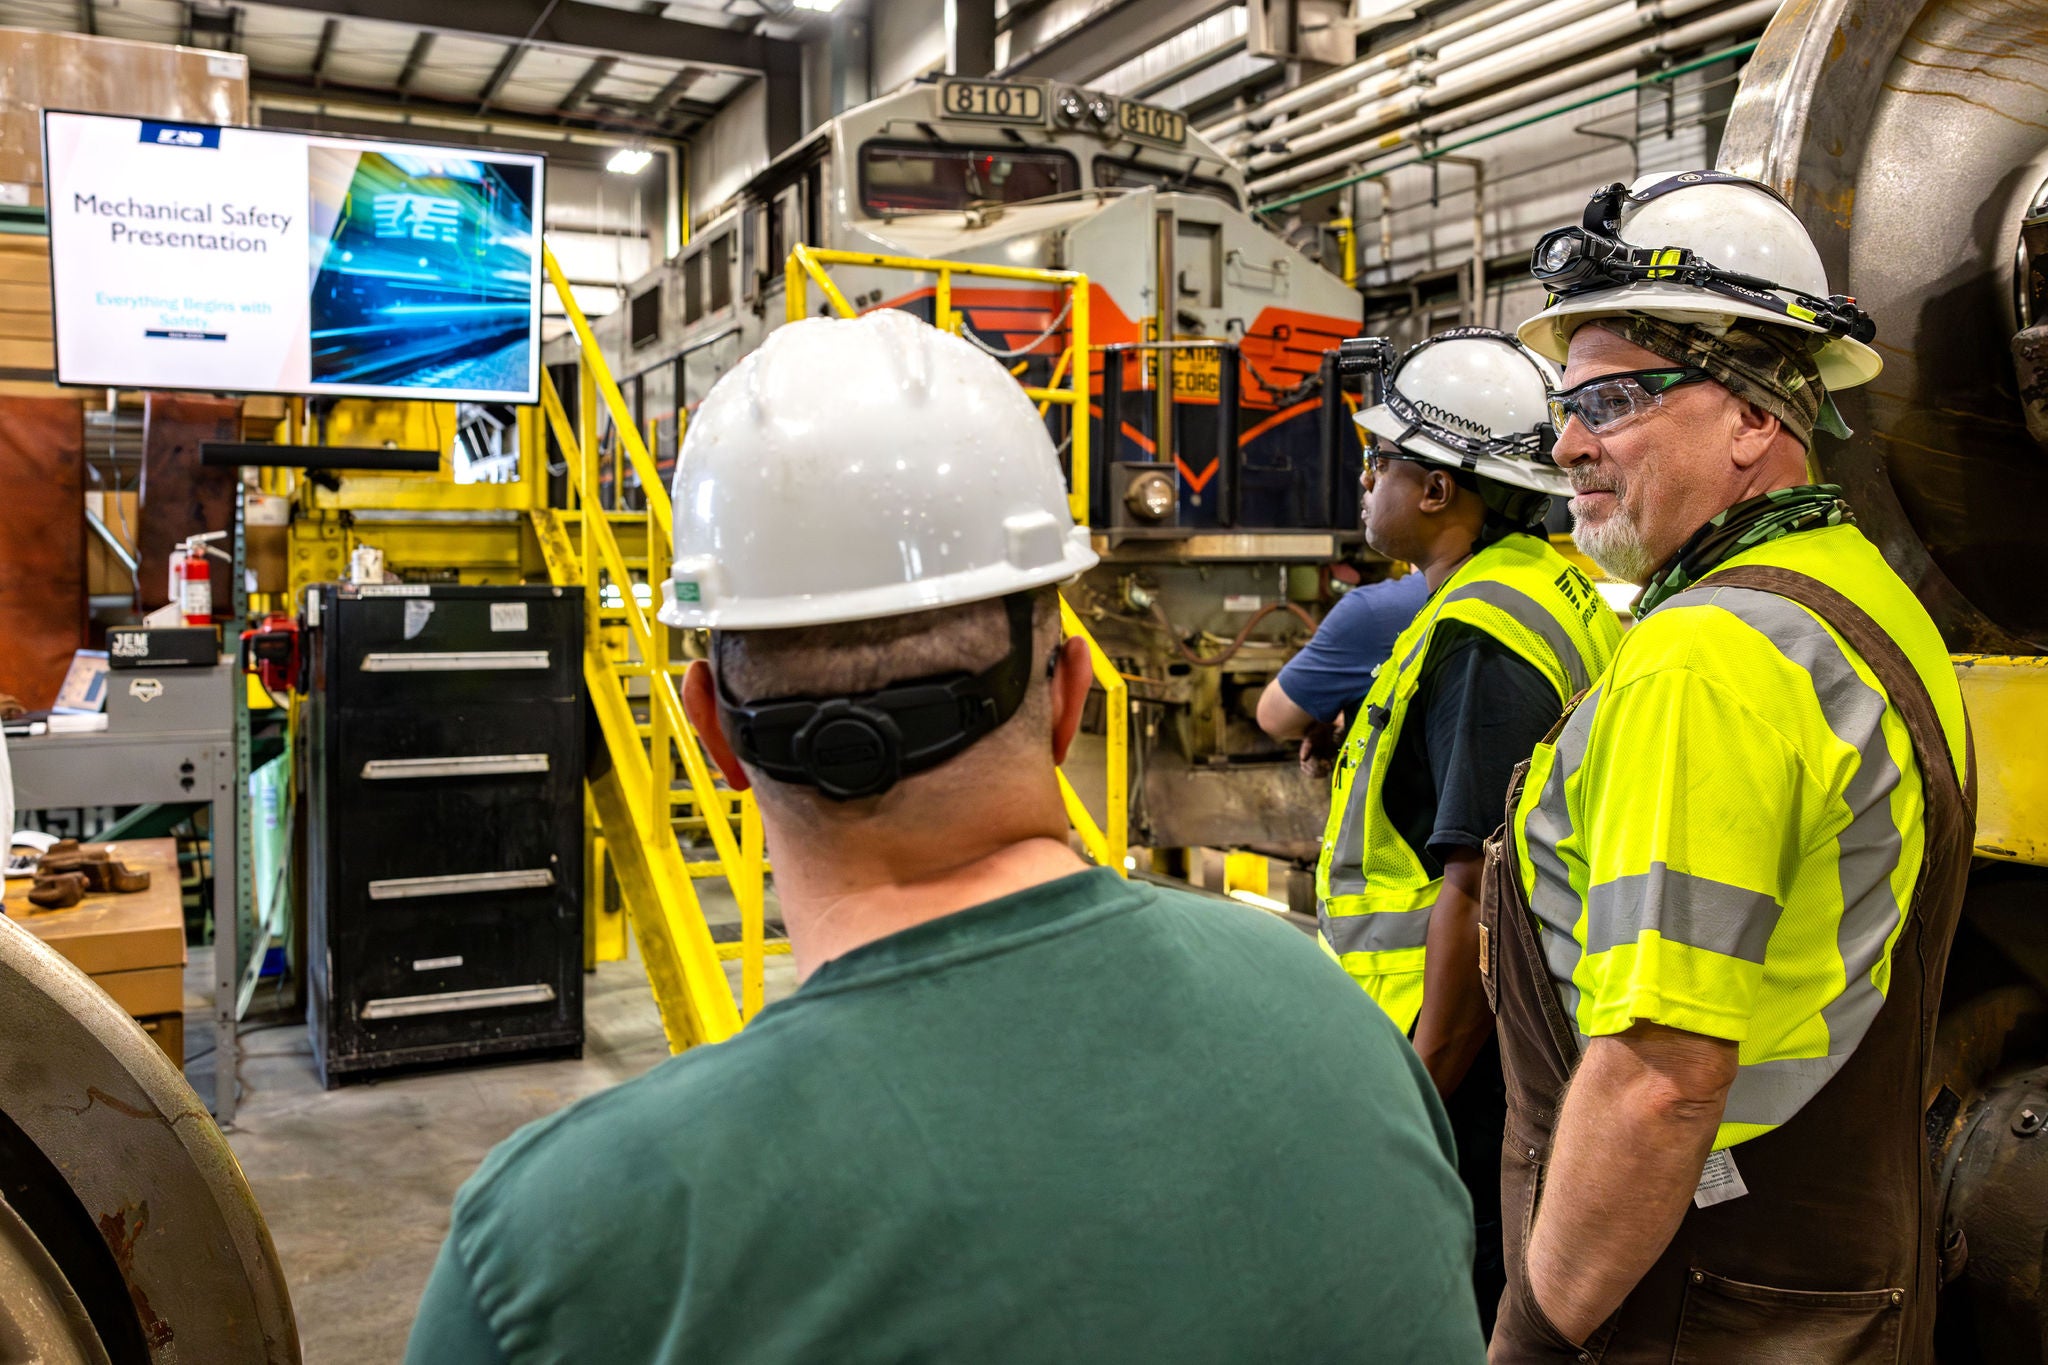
{"x": 574, "y": 25}
{"x": 414, "y": 60}
{"x": 1106, "y": 39}
{"x": 320, "y": 53}
{"x": 585, "y": 83}
{"x": 304, "y": 85}
{"x": 499, "y": 76}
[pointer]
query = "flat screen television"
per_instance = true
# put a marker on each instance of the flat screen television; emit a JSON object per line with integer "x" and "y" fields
{"x": 242, "y": 260}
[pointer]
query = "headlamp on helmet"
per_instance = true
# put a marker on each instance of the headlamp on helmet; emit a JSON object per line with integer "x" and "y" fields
{"x": 1575, "y": 260}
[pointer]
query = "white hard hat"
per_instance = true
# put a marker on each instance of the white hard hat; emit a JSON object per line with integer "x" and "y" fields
{"x": 860, "y": 468}
{"x": 1472, "y": 399}
{"x": 1734, "y": 225}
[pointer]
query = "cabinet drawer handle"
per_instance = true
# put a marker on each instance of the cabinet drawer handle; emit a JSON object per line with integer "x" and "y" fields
{"x": 448, "y": 1002}
{"x": 478, "y": 765}
{"x": 455, "y": 661}
{"x": 460, "y": 884}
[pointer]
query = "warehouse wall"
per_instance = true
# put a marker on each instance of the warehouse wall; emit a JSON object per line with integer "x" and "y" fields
{"x": 908, "y": 38}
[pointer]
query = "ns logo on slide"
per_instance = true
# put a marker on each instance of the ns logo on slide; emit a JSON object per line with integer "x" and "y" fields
{"x": 179, "y": 135}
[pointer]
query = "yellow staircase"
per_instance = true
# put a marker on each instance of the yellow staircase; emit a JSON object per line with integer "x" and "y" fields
{"x": 618, "y": 559}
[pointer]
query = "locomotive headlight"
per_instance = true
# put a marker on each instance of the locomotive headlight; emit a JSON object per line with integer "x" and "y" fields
{"x": 1070, "y": 106}
{"x": 1101, "y": 111}
{"x": 1151, "y": 496}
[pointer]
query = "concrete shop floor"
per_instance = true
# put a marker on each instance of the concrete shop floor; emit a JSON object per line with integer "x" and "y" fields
{"x": 356, "y": 1183}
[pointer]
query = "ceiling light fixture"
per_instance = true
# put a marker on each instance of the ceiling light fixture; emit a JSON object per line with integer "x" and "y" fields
{"x": 629, "y": 161}
{"x": 818, "y": 6}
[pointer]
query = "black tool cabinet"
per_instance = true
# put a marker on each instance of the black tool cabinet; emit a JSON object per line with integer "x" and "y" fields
{"x": 444, "y": 770}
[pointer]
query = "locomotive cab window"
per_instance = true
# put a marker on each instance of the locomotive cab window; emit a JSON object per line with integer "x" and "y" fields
{"x": 1112, "y": 174}
{"x": 645, "y": 317}
{"x": 911, "y": 177}
{"x": 718, "y": 266}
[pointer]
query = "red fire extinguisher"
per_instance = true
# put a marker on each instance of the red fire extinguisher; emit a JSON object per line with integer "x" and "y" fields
{"x": 192, "y": 578}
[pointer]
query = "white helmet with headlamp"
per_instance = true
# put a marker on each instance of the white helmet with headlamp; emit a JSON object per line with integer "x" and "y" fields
{"x": 1469, "y": 398}
{"x": 1706, "y": 248}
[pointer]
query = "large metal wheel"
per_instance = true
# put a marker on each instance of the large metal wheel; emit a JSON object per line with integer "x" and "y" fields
{"x": 1911, "y": 136}
{"x": 127, "y": 1232}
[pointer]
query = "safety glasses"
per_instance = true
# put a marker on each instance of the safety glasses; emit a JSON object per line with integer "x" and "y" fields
{"x": 1614, "y": 400}
{"x": 1378, "y": 459}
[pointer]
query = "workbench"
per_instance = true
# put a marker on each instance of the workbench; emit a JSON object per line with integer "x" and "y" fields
{"x": 132, "y": 945}
{"x": 170, "y": 741}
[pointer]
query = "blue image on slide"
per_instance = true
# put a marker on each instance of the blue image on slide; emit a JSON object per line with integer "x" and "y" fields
{"x": 425, "y": 279}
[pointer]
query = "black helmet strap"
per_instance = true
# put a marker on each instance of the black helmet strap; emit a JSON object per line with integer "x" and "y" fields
{"x": 862, "y": 745}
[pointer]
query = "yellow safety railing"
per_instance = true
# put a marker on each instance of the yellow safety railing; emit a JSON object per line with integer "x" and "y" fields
{"x": 807, "y": 265}
{"x": 637, "y": 799}
{"x": 1109, "y": 841}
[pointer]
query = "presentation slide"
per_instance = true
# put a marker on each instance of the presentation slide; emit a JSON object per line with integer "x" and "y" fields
{"x": 245, "y": 261}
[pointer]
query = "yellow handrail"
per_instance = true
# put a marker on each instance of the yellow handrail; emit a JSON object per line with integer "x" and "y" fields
{"x": 807, "y": 264}
{"x": 740, "y": 849}
{"x": 1108, "y": 842}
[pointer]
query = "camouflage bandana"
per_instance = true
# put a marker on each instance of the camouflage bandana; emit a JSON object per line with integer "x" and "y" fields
{"x": 1744, "y": 526}
{"x": 1762, "y": 364}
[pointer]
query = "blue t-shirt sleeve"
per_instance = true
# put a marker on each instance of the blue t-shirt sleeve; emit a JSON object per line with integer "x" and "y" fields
{"x": 450, "y": 1328}
{"x": 1335, "y": 667}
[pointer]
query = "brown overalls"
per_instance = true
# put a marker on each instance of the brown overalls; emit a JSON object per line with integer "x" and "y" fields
{"x": 1830, "y": 1257}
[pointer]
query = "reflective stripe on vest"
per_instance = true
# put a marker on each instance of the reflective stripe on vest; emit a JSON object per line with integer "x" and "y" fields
{"x": 1374, "y": 894}
{"x": 1653, "y": 917}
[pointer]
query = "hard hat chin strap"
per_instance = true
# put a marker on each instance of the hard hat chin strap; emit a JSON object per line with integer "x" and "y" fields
{"x": 851, "y": 747}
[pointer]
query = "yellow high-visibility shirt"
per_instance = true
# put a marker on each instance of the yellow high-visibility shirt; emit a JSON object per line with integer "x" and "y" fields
{"x": 1374, "y": 892}
{"x": 1726, "y": 835}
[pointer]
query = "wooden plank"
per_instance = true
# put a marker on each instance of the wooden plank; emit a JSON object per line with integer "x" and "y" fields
{"x": 26, "y": 326}
{"x": 27, "y": 355}
{"x": 17, "y": 269}
{"x": 25, "y": 298}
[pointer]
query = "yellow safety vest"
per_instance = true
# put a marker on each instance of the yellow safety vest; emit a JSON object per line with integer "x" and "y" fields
{"x": 1726, "y": 835}
{"x": 1373, "y": 891}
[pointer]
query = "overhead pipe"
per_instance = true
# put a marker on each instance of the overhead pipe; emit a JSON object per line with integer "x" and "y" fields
{"x": 1420, "y": 48}
{"x": 1696, "y": 34}
{"x": 1378, "y": 174}
{"x": 1423, "y": 73}
{"x": 1524, "y": 59}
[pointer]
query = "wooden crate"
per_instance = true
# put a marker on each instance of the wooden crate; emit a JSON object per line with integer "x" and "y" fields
{"x": 28, "y": 355}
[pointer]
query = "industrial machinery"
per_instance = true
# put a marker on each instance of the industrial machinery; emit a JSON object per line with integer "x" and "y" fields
{"x": 1220, "y": 464}
{"x": 127, "y": 1232}
{"x": 1911, "y": 137}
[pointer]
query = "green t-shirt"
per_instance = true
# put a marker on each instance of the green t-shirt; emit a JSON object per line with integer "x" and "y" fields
{"x": 1094, "y": 1121}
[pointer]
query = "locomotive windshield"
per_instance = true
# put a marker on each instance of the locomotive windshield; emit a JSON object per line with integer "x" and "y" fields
{"x": 917, "y": 177}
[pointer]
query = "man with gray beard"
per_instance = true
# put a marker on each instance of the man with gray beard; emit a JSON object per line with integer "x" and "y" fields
{"x": 1715, "y": 929}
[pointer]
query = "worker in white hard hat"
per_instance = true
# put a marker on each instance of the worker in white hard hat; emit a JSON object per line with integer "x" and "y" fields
{"x": 1019, "y": 1109}
{"x": 1457, "y": 482}
{"x": 1720, "y": 911}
